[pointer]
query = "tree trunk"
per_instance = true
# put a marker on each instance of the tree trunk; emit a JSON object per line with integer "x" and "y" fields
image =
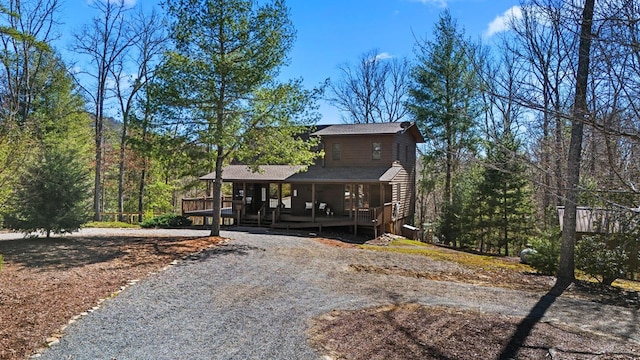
{"x": 217, "y": 195}
{"x": 143, "y": 179}
{"x": 566, "y": 268}
{"x": 98, "y": 167}
{"x": 121, "y": 160}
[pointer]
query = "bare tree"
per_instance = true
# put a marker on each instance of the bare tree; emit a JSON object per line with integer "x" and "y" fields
{"x": 148, "y": 41}
{"x": 566, "y": 268}
{"x": 104, "y": 42}
{"x": 542, "y": 48}
{"x": 28, "y": 28}
{"x": 372, "y": 91}
{"x": 24, "y": 48}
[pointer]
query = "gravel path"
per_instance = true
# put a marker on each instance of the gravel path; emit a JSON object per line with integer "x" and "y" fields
{"x": 253, "y": 298}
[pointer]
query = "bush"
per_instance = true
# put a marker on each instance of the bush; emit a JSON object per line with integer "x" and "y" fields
{"x": 547, "y": 256}
{"x": 1, "y": 260}
{"x": 166, "y": 221}
{"x": 597, "y": 260}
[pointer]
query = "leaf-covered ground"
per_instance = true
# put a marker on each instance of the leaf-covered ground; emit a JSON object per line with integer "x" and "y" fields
{"x": 46, "y": 282}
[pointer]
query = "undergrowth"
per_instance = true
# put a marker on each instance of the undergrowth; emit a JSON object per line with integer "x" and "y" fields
{"x": 413, "y": 247}
{"x": 110, "y": 225}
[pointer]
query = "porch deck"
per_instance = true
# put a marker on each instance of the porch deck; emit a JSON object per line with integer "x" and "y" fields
{"x": 377, "y": 218}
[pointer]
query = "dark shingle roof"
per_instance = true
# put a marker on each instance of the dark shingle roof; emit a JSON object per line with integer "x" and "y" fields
{"x": 265, "y": 173}
{"x": 316, "y": 174}
{"x": 368, "y": 129}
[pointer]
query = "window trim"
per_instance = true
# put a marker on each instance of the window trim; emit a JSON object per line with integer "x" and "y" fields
{"x": 376, "y": 151}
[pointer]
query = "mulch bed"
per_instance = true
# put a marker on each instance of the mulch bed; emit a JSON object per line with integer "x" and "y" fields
{"x": 412, "y": 331}
{"x": 46, "y": 282}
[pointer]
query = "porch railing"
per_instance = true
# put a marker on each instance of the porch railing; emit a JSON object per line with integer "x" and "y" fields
{"x": 203, "y": 203}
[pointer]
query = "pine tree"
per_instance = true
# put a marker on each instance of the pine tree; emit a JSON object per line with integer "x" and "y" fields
{"x": 51, "y": 196}
{"x": 507, "y": 195}
{"x": 444, "y": 103}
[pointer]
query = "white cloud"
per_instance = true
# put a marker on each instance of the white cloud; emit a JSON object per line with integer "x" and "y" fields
{"x": 438, "y": 3}
{"x": 383, "y": 56}
{"x": 501, "y": 22}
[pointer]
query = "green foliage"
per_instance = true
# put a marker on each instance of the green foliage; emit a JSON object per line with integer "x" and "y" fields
{"x": 599, "y": 257}
{"x": 159, "y": 197}
{"x": 50, "y": 197}
{"x": 503, "y": 198}
{"x": 1, "y": 261}
{"x": 545, "y": 259}
{"x": 167, "y": 221}
{"x": 227, "y": 55}
{"x": 110, "y": 225}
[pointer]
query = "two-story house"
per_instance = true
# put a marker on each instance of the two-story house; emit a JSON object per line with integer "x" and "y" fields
{"x": 366, "y": 179}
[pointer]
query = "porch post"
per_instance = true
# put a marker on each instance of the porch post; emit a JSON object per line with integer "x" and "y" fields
{"x": 279, "y": 207}
{"x": 357, "y": 198}
{"x": 350, "y": 201}
{"x": 382, "y": 197}
{"x": 313, "y": 202}
{"x": 244, "y": 202}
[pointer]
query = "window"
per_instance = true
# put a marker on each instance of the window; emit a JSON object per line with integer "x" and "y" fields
{"x": 376, "y": 151}
{"x": 336, "y": 151}
{"x": 398, "y": 151}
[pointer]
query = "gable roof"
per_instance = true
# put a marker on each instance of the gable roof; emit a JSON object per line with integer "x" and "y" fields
{"x": 370, "y": 129}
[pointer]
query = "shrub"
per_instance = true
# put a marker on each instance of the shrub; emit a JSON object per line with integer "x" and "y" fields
{"x": 604, "y": 264}
{"x": 166, "y": 221}
{"x": 1, "y": 260}
{"x": 545, "y": 259}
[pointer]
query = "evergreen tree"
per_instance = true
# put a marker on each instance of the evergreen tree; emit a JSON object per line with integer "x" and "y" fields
{"x": 506, "y": 195}
{"x": 51, "y": 196}
{"x": 218, "y": 87}
{"x": 444, "y": 102}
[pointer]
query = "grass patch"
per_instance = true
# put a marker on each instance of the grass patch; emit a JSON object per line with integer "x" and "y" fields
{"x": 412, "y": 247}
{"x": 111, "y": 225}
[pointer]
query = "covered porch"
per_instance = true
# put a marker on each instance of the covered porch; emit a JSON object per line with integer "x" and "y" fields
{"x": 283, "y": 197}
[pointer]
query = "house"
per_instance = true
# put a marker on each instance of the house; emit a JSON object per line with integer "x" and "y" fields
{"x": 366, "y": 179}
{"x": 591, "y": 221}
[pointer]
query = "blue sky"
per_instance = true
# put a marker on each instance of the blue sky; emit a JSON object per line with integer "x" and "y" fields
{"x": 334, "y": 32}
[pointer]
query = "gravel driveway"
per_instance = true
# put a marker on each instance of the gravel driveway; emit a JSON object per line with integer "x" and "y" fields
{"x": 253, "y": 298}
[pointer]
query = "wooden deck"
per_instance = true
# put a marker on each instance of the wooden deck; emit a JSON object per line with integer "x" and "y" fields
{"x": 372, "y": 218}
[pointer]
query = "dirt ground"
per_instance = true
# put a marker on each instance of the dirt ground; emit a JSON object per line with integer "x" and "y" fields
{"x": 45, "y": 283}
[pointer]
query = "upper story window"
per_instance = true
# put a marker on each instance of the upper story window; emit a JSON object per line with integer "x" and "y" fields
{"x": 376, "y": 151}
{"x": 336, "y": 151}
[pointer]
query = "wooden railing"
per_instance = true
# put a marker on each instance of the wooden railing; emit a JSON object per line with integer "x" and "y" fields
{"x": 377, "y": 214}
{"x": 130, "y": 218}
{"x": 202, "y": 203}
